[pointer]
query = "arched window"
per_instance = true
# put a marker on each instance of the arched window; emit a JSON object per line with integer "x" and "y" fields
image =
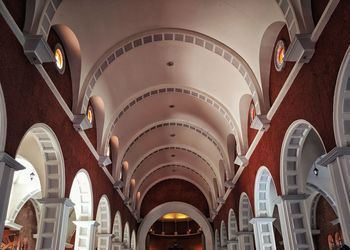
{"x": 126, "y": 236}
{"x": 117, "y": 228}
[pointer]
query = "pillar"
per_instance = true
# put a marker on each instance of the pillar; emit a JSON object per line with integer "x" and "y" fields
{"x": 296, "y": 229}
{"x": 246, "y": 240}
{"x": 8, "y": 166}
{"x": 53, "y": 223}
{"x": 263, "y": 233}
{"x": 85, "y": 234}
{"x": 104, "y": 241}
{"x": 338, "y": 162}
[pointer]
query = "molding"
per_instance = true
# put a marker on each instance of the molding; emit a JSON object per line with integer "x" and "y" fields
{"x": 241, "y": 161}
{"x": 64, "y": 201}
{"x": 301, "y": 49}
{"x": 13, "y": 225}
{"x": 261, "y": 123}
{"x": 8, "y": 161}
{"x": 104, "y": 161}
{"x": 37, "y": 50}
{"x": 335, "y": 221}
{"x": 291, "y": 197}
{"x": 81, "y": 122}
{"x": 332, "y": 155}
{"x": 257, "y": 220}
{"x": 118, "y": 184}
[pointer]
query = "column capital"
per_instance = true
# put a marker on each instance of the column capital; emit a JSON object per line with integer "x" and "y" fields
{"x": 332, "y": 155}
{"x": 81, "y": 122}
{"x": 291, "y": 197}
{"x": 118, "y": 184}
{"x": 7, "y": 160}
{"x": 261, "y": 123}
{"x": 86, "y": 223}
{"x": 262, "y": 220}
{"x": 301, "y": 49}
{"x": 241, "y": 161}
{"x": 64, "y": 201}
{"x": 104, "y": 160}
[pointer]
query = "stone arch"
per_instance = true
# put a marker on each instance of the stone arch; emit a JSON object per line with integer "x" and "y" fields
{"x": 133, "y": 240}
{"x": 3, "y": 121}
{"x": 117, "y": 228}
{"x": 341, "y": 107}
{"x": 179, "y": 207}
{"x": 217, "y": 240}
{"x": 232, "y": 226}
{"x": 265, "y": 193}
{"x": 53, "y": 170}
{"x": 223, "y": 235}
{"x": 99, "y": 117}
{"x": 245, "y": 239}
{"x": 103, "y": 216}
{"x": 126, "y": 235}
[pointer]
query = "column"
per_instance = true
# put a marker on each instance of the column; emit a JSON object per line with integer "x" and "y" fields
{"x": 104, "y": 241}
{"x": 338, "y": 162}
{"x": 263, "y": 233}
{"x": 232, "y": 244}
{"x": 85, "y": 234}
{"x": 246, "y": 240}
{"x": 53, "y": 223}
{"x": 296, "y": 229}
{"x": 117, "y": 245}
{"x": 8, "y": 166}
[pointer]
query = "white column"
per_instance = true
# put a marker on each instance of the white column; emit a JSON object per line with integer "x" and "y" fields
{"x": 263, "y": 233}
{"x": 246, "y": 240}
{"x": 53, "y": 223}
{"x": 117, "y": 245}
{"x": 232, "y": 244}
{"x": 104, "y": 241}
{"x": 338, "y": 162}
{"x": 8, "y": 166}
{"x": 85, "y": 235}
{"x": 296, "y": 229}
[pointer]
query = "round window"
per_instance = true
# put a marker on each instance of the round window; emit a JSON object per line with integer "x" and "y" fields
{"x": 280, "y": 51}
{"x": 60, "y": 58}
{"x": 90, "y": 114}
{"x": 252, "y": 113}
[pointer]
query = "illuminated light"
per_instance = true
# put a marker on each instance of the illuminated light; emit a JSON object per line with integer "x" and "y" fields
{"x": 279, "y": 55}
{"x": 60, "y": 59}
{"x": 133, "y": 181}
{"x": 175, "y": 216}
{"x": 252, "y": 112}
{"x": 125, "y": 165}
{"x": 90, "y": 114}
{"x": 138, "y": 195}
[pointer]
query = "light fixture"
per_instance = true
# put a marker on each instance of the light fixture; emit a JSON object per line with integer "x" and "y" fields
{"x": 171, "y": 106}
{"x": 32, "y": 176}
{"x": 172, "y": 135}
{"x": 170, "y": 63}
{"x": 172, "y": 155}
{"x": 315, "y": 171}
{"x": 60, "y": 58}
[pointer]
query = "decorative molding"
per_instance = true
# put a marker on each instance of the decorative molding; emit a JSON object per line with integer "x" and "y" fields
{"x": 261, "y": 123}
{"x": 8, "y": 161}
{"x": 332, "y": 155}
{"x": 104, "y": 161}
{"x": 81, "y": 122}
{"x": 37, "y": 50}
{"x": 241, "y": 161}
{"x": 301, "y": 49}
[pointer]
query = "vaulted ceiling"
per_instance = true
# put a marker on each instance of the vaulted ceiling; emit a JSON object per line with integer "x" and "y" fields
{"x": 174, "y": 81}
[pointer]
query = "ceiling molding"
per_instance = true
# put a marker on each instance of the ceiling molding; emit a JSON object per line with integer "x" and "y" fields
{"x": 176, "y": 35}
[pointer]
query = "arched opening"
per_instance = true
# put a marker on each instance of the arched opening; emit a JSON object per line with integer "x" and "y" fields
{"x": 133, "y": 240}
{"x": 174, "y": 207}
{"x": 81, "y": 196}
{"x": 245, "y": 239}
{"x": 126, "y": 235}
{"x": 43, "y": 178}
{"x": 103, "y": 218}
{"x": 223, "y": 235}
{"x": 217, "y": 239}
{"x": 301, "y": 148}
{"x": 117, "y": 230}
{"x": 232, "y": 230}
{"x": 3, "y": 121}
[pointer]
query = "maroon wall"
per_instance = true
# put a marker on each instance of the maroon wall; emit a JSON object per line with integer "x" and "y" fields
{"x": 185, "y": 242}
{"x": 29, "y": 101}
{"x": 174, "y": 190}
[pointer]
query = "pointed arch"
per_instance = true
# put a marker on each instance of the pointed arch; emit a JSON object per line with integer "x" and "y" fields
{"x": 223, "y": 235}
{"x": 232, "y": 226}
{"x": 117, "y": 228}
{"x": 245, "y": 213}
{"x": 3, "y": 121}
{"x": 103, "y": 216}
{"x": 133, "y": 240}
{"x": 217, "y": 240}
{"x": 126, "y": 235}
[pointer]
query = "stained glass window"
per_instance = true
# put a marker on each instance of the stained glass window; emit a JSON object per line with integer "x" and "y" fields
{"x": 280, "y": 51}
{"x": 60, "y": 59}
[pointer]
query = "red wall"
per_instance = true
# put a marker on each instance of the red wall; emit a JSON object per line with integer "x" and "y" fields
{"x": 165, "y": 243}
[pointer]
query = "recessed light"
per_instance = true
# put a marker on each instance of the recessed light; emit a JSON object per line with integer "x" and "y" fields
{"x": 171, "y": 106}
{"x": 170, "y": 63}
{"x": 172, "y": 135}
{"x": 173, "y": 155}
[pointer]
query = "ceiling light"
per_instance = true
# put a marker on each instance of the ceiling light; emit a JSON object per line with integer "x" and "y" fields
{"x": 171, "y": 106}
{"x": 172, "y": 135}
{"x": 315, "y": 171}
{"x": 172, "y": 155}
{"x": 170, "y": 63}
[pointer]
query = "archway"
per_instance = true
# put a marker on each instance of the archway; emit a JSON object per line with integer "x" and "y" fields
{"x": 301, "y": 147}
{"x": 232, "y": 231}
{"x": 245, "y": 238}
{"x": 179, "y": 207}
{"x": 81, "y": 196}
{"x": 103, "y": 218}
{"x": 264, "y": 200}
{"x": 133, "y": 240}
{"x": 126, "y": 235}
{"x": 3, "y": 121}
{"x": 117, "y": 239}
{"x": 223, "y": 235}
{"x": 217, "y": 240}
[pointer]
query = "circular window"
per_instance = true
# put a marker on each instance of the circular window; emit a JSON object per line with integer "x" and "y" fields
{"x": 280, "y": 51}
{"x": 90, "y": 114}
{"x": 252, "y": 113}
{"x": 60, "y": 58}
